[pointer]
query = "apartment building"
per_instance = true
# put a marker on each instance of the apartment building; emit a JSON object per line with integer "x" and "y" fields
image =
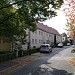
{"x": 43, "y": 34}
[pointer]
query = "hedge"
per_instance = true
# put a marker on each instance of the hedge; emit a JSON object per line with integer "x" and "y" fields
{"x": 73, "y": 50}
{"x": 31, "y": 51}
{"x": 7, "y": 56}
{"x": 3, "y": 52}
{"x": 34, "y": 50}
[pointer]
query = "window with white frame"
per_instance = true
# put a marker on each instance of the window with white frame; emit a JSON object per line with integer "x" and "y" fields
{"x": 32, "y": 41}
{"x": 46, "y": 34}
{"x": 39, "y": 32}
{"x": 35, "y": 41}
{"x": 39, "y": 41}
{"x": 49, "y": 35}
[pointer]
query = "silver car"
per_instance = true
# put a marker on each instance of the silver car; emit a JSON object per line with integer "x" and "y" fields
{"x": 60, "y": 45}
{"x": 45, "y": 48}
{"x": 68, "y": 44}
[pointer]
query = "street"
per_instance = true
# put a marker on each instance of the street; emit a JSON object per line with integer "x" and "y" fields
{"x": 55, "y": 63}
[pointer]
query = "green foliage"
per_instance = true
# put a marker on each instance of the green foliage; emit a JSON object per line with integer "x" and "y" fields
{"x": 66, "y": 39}
{"x": 19, "y": 15}
{"x": 4, "y": 56}
{"x": 27, "y": 52}
{"x": 3, "y": 52}
{"x": 64, "y": 35}
{"x": 73, "y": 50}
{"x": 65, "y": 42}
{"x": 73, "y": 58}
{"x": 34, "y": 50}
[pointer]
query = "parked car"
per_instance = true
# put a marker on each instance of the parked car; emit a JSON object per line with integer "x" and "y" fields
{"x": 45, "y": 48}
{"x": 60, "y": 45}
{"x": 68, "y": 44}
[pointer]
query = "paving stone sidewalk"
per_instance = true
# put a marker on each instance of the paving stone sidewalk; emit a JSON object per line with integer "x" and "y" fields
{"x": 6, "y": 68}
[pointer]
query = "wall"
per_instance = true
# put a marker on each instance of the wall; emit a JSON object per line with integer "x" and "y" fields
{"x": 5, "y": 46}
{"x": 35, "y": 38}
{"x": 41, "y": 37}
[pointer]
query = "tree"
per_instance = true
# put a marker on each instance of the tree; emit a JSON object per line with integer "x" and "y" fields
{"x": 64, "y": 35}
{"x": 18, "y": 15}
{"x": 66, "y": 39}
{"x": 69, "y": 9}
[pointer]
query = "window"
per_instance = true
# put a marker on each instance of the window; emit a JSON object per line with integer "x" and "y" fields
{"x": 39, "y": 32}
{"x": 49, "y": 35}
{"x": 46, "y": 34}
{"x": 32, "y": 41}
{"x": 39, "y": 41}
{"x": 42, "y": 33}
{"x": 35, "y": 41}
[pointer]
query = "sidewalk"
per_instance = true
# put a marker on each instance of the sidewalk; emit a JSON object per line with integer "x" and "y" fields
{"x": 8, "y": 67}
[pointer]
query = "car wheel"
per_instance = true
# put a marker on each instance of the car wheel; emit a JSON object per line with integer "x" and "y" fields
{"x": 51, "y": 51}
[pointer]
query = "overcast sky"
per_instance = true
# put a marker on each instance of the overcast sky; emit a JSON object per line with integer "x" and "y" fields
{"x": 57, "y": 22}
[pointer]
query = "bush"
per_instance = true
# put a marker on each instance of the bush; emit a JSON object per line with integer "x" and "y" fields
{"x": 7, "y": 56}
{"x": 31, "y": 51}
{"x": 3, "y": 52}
{"x": 25, "y": 52}
{"x": 34, "y": 50}
{"x": 73, "y": 58}
{"x": 20, "y": 53}
{"x": 73, "y": 50}
{"x": 65, "y": 42}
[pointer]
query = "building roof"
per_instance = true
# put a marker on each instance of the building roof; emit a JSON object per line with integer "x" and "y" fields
{"x": 47, "y": 29}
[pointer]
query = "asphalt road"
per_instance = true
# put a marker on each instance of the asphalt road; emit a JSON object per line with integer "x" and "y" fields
{"x": 55, "y": 63}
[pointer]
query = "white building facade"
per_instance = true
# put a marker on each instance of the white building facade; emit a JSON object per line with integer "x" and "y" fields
{"x": 43, "y": 34}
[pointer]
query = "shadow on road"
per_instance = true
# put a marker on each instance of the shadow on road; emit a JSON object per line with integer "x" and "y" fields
{"x": 49, "y": 71}
{"x": 46, "y": 69}
{"x": 60, "y": 72}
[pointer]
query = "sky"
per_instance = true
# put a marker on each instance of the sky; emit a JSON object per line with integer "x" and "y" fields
{"x": 57, "y": 22}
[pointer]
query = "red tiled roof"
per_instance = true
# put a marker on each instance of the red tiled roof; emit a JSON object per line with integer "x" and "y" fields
{"x": 47, "y": 29}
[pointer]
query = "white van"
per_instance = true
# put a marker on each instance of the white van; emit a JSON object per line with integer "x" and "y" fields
{"x": 45, "y": 48}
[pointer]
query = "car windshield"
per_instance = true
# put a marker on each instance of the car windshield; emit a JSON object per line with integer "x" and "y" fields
{"x": 44, "y": 46}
